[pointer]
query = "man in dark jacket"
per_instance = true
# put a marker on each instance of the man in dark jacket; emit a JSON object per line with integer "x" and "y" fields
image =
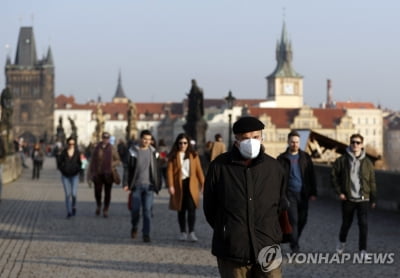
{"x": 142, "y": 177}
{"x": 242, "y": 196}
{"x": 353, "y": 179}
{"x": 301, "y": 185}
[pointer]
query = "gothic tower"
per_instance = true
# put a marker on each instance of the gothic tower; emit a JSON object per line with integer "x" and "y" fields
{"x": 285, "y": 85}
{"x": 31, "y": 82}
{"x": 120, "y": 96}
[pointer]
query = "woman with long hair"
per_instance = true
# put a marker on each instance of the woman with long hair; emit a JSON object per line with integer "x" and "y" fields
{"x": 69, "y": 163}
{"x": 185, "y": 180}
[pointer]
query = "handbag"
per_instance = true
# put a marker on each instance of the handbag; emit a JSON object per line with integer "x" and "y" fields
{"x": 286, "y": 227}
{"x": 116, "y": 177}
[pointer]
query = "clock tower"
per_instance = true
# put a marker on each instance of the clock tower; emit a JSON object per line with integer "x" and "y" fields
{"x": 285, "y": 85}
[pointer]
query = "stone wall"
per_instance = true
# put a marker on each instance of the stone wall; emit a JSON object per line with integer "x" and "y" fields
{"x": 12, "y": 168}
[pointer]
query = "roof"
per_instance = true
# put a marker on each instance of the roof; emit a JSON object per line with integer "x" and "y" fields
{"x": 283, "y": 117}
{"x": 26, "y": 49}
{"x": 355, "y": 105}
{"x": 284, "y": 56}
{"x": 119, "y": 93}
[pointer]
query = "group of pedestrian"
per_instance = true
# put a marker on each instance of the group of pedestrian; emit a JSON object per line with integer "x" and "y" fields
{"x": 245, "y": 191}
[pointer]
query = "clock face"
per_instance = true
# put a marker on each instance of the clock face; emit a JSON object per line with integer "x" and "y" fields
{"x": 288, "y": 88}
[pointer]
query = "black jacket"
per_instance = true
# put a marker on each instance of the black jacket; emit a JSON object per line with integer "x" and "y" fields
{"x": 130, "y": 167}
{"x": 309, "y": 187}
{"x": 242, "y": 205}
{"x": 69, "y": 166}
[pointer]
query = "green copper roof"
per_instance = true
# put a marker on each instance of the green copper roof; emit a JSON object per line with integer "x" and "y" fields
{"x": 284, "y": 56}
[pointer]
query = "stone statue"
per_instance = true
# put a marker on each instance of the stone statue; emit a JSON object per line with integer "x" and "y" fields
{"x": 60, "y": 131}
{"x": 131, "y": 128}
{"x": 6, "y": 118}
{"x": 100, "y": 124}
{"x": 74, "y": 130}
{"x": 196, "y": 125}
{"x": 196, "y": 107}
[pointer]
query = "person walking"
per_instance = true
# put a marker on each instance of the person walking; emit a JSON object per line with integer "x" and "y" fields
{"x": 301, "y": 187}
{"x": 141, "y": 178}
{"x": 353, "y": 179}
{"x": 70, "y": 165}
{"x": 244, "y": 193}
{"x": 185, "y": 180}
{"x": 37, "y": 160}
{"x": 104, "y": 159}
{"x": 217, "y": 147}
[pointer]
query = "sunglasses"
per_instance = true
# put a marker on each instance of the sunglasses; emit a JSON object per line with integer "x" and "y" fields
{"x": 182, "y": 143}
{"x": 356, "y": 142}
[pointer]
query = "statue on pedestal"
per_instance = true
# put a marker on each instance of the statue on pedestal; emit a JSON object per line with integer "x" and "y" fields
{"x": 196, "y": 125}
{"x": 131, "y": 128}
{"x": 74, "y": 130}
{"x": 100, "y": 124}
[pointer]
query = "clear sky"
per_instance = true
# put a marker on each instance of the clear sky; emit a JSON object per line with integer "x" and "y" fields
{"x": 160, "y": 45}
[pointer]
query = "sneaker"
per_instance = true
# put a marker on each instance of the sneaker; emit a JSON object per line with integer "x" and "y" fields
{"x": 133, "y": 233}
{"x": 183, "y": 236}
{"x": 340, "y": 247}
{"x": 146, "y": 239}
{"x": 192, "y": 237}
{"x": 364, "y": 255}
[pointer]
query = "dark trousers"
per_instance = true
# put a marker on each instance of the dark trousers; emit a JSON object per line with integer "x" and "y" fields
{"x": 187, "y": 206}
{"x": 298, "y": 212}
{"x": 37, "y": 166}
{"x": 348, "y": 210}
{"x": 100, "y": 182}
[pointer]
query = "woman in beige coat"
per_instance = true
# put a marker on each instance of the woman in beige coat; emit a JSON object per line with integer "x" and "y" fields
{"x": 185, "y": 180}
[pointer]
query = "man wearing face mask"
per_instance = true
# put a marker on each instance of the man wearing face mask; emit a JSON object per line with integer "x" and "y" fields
{"x": 243, "y": 193}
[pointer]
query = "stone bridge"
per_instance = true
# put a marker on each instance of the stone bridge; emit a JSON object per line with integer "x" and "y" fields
{"x": 36, "y": 239}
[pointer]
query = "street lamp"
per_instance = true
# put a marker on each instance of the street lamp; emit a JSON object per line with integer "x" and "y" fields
{"x": 230, "y": 99}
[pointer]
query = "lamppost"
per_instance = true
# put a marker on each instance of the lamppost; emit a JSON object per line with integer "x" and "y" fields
{"x": 230, "y": 99}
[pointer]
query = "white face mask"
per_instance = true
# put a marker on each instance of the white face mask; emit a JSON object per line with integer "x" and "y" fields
{"x": 249, "y": 148}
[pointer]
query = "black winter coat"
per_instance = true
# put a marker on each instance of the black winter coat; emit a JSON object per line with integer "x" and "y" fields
{"x": 242, "y": 205}
{"x": 309, "y": 187}
{"x": 69, "y": 166}
{"x": 130, "y": 169}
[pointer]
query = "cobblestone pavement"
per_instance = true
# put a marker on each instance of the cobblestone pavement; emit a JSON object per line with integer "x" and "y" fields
{"x": 36, "y": 239}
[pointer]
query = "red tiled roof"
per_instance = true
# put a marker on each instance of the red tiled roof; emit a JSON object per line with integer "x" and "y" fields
{"x": 284, "y": 117}
{"x": 355, "y": 105}
{"x": 329, "y": 118}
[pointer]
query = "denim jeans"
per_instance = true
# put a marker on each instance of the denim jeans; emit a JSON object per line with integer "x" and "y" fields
{"x": 298, "y": 212}
{"x": 142, "y": 197}
{"x": 70, "y": 188}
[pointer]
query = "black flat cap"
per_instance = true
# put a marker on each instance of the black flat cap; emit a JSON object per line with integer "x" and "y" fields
{"x": 247, "y": 124}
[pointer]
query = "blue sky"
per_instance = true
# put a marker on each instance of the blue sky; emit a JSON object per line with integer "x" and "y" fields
{"x": 159, "y": 46}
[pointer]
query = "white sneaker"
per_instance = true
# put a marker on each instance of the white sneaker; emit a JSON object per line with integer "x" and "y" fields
{"x": 183, "y": 237}
{"x": 193, "y": 237}
{"x": 364, "y": 255}
{"x": 340, "y": 247}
